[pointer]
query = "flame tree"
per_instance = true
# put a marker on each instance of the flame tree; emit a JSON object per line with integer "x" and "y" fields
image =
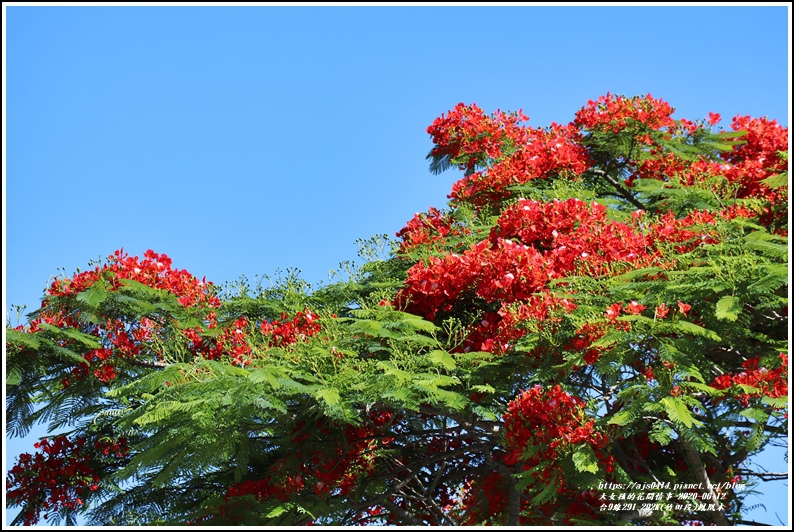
{"x": 592, "y": 331}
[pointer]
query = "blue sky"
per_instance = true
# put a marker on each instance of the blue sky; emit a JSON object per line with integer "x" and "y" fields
{"x": 240, "y": 140}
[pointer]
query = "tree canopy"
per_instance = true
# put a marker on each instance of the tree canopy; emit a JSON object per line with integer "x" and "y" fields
{"x": 594, "y": 330}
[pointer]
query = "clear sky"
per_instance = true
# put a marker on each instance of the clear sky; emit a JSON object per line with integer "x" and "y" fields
{"x": 240, "y": 140}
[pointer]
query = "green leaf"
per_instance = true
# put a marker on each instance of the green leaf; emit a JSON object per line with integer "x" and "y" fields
{"x": 13, "y": 376}
{"x": 442, "y": 358}
{"x": 756, "y": 414}
{"x": 585, "y": 460}
{"x": 143, "y": 307}
{"x": 23, "y": 338}
{"x": 93, "y": 296}
{"x": 777, "y": 277}
{"x": 728, "y": 308}
{"x": 776, "y": 181}
{"x": 775, "y": 402}
{"x": 483, "y": 388}
{"x": 548, "y": 493}
{"x": 85, "y": 339}
{"x": 402, "y": 395}
{"x": 696, "y": 330}
{"x": 388, "y": 369}
{"x": 622, "y": 418}
{"x": 265, "y": 374}
{"x": 275, "y": 512}
{"x": 329, "y": 395}
{"x": 678, "y": 412}
{"x": 770, "y": 245}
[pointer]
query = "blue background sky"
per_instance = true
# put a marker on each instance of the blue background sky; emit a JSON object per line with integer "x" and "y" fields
{"x": 240, "y": 140}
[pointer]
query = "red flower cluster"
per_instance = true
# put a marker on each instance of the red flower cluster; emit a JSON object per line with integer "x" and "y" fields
{"x": 769, "y": 382}
{"x": 467, "y": 131}
{"x": 428, "y": 228}
{"x": 124, "y": 342}
{"x": 612, "y": 113}
{"x": 120, "y": 339}
{"x": 544, "y": 153}
{"x": 58, "y": 476}
{"x": 741, "y": 174}
{"x": 154, "y": 270}
{"x": 533, "y": 243}
{"x": 549, "y": 422}
{"x": 287, "y": 331}
{"x": 233, "y": 341}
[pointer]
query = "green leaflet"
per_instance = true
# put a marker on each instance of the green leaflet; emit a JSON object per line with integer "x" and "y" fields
{"x": 773, "y": 246}
{"x": 548, "y": 492}
{"x": 85, "y": 339}
{"x": 634, "y": 274}
{"x": 661, "y": 433}
{"x": 67, "y": 355}
{"x": 777, "y": 277}
{"x": 23, "y": 338}
{"x": 142, "y": 288}
{"x": 775, "y": 402}
{"x": 442, "y": 358}
{"x": 755, "y": 414}
{"x": 728, "y": 308}
{"x": 224, "y": 369}
{"x": 776, "y": 181}
{"x": 388, "y": 369}
{"x": 705, "y": 388}
{"x": 417, "y": 322}
{"x": 622, "y": 418}
{"x": 369, "y": 327}
{"x": 277, "y": 511}
{"x": 483, "y": 388}
{"x": 143, "y": 307}
{"x": 447, "y": 398}
{"x": 585, "y": 460}
{"x": 686, "y": 327}
{"x": 429, "y": 379}
{"x": 166, "y": 409}
{"x": 269, "y": 403}
{"x": 329, "y": 395}
{"x": 269, "y": 374}
{"x": 402, "y": 396}
{"x": 13, "y": 376}
{"x": 94, "y": 296}
{"x": 151, "y": 382}
{"x": 678, "y": 412}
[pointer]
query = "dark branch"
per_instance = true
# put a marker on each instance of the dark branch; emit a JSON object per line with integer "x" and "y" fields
{"x": 763, "y": 476}
{"x": 618, "y": 187}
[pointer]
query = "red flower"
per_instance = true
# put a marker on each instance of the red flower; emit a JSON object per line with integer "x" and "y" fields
{"x": 614, "y": 311}
{"x": 683, "y": 307}
{"x": 714, "y": 118}
{"x": 635, "y": 308}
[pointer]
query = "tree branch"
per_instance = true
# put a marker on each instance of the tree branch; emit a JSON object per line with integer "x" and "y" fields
{"x": 618, "y": 187}
{"x": 404, "y": 516}
{"x": 692, "y": 457}
{"x": 145, "y": 364}
{"x": 763, "y": 476}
